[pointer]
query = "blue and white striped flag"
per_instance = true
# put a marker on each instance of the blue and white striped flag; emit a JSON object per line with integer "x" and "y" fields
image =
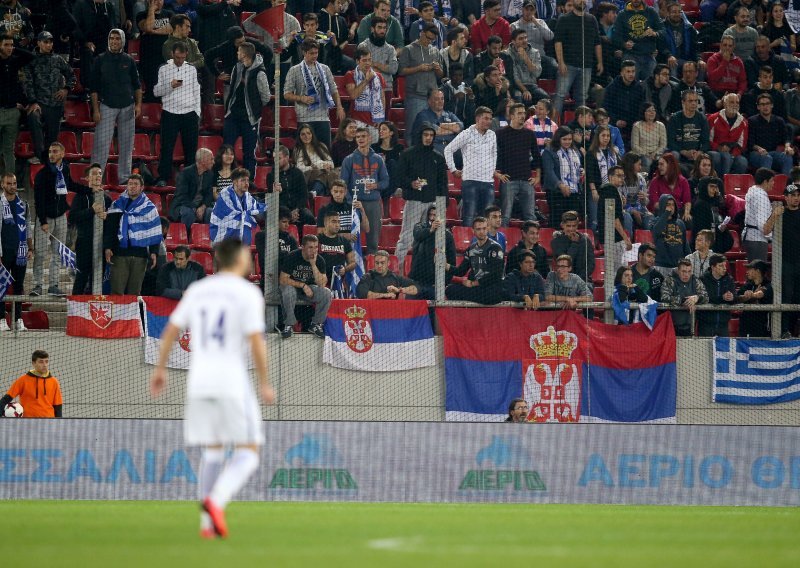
{"x": 5, "y": 281}
{"x": 756, "y": 371}
{"x": 67, "y": 256}
{"x": 337, "y": 284}
{"x": 354, "y": 276}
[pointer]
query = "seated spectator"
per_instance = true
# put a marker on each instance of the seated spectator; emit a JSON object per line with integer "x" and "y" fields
{"x": 648, "y": 137}
{"x": 303, "y": 272}
{"x": 687, "y": 131}
{"x": 527, "y": 68}
{"x": 601, "y": 118}
{"x": 721, "y": 289}
{"x": 541, "y": 123}
{"x": 764, "y": 56}
{"x": 291, "y": 187}
{"x": 483, "y": 261}
{"x": 706, "y": 214}
{"x": 703, "y": 167}
{"x": 637, "y": 198}
{"x": 37, "y": 402}
{"x": 702, "y": 254}
{"x": 524, "y": 284}
{"x": 344, "y": 209}
{"x": 176, "y": 276}
{"x": 668, "y": 180}
{"x": 529, "y": 242}
{"x": 494, "y": 220}
{"x": 447, "y": 124}
{"x": 757, "y": 290}
{"x": 286, "y": 242}
{"x": 131, "y": 237}
{"x": 764, "y": 85}
{"x": 626, "y": 290}
{"x": 459, "y": 99}
{"x": 769, "y": 140}
{"x": 194, "y": 196}
{"x": 423, "y": 270}
{"x": 680, "y": 39}
{"x": 725, "y": 71}
{"x": 236, "y": 212}
{"x": 564, "y": 287}
{"x": 491, "y": 87}
{"x": 582, "y": 128}
{"x": 682, "y": 288}
{"x": 728, "y": 132}
{"x": 381, "y": 283}
{"x": 335, "y": 249}
{"x": 224, "y": 164}
{"x": 743, "y": 35}
{"x": 312, "y": 157}
{"x": 344, "y": 143}
{"x": 662, "y": 91}
{"x": 624, "y": 97}
{"x": 574, "y": 244}
{"x": 427, "y": 16}
{"x": 518, "y": 408}
{"x": 777, "y": 29}
{"x": 708, "y": 100}
{"x": 669, "y": 232}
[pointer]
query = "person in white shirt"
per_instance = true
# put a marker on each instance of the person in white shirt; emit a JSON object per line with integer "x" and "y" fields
{"x": 759, "y": 216}
{"x": 225, "y": 314}
{"x": 478, "y": 145}
{"x": 180, "y": 103}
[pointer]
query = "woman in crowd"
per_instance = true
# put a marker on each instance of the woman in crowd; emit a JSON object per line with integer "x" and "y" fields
{"x": 649, "y": 136}
{"x": 224, "y": 164}
{"x": 601, "y": 156}
{"x": 562, "y": 172}
{"x": 344, "y": 143}
{"x": 638, "y": 216}
{"x": 707, "y": 213}
{"x": 389, "y": 146}
{"x": 312, "y": 157}
{"x": 703, "y": 167}
{"x": 626, "y": 290}
{"x": 668, "y": 180}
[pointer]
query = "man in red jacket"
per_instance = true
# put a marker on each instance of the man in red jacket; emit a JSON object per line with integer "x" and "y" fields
{"x": 728, "y": 131}
{"x": 725, "y": 71}
{"x": 491, "y": 23}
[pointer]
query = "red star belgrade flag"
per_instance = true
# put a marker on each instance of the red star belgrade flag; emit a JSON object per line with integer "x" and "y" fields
{"x": 104, "y": 317}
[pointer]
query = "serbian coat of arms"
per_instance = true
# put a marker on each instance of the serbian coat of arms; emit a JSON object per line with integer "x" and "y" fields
{"x": 357, "y": 329}
{"x": 552, "y": 381}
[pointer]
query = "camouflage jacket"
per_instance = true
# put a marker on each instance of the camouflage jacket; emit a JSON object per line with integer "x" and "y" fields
{"x": 44, "y": 76}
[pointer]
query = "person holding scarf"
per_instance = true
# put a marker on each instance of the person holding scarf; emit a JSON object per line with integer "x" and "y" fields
{"x": 50, "y": 188}
{"x": 131, "y": 236}
{"x": 601, "y": 157}
{"x": 562, "y": 172}
{"x": 312, "y": 89}
{"x": 235, "y": 211}
{"x": 367, "y": 89}
{"x": 15, "y": 243}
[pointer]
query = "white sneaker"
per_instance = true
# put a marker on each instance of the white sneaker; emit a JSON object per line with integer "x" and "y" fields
{"x": 4, "y": 325}
{"x": 21, "y": 326}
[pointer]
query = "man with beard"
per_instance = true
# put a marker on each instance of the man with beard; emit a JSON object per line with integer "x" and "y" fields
{"x": 384, "y": 55}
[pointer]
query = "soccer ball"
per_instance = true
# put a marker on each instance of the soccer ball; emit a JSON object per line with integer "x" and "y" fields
{"x": 13, "y": 410}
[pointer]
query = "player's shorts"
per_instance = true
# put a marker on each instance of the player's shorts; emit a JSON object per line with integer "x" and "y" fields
{"x": 222, "y": 421}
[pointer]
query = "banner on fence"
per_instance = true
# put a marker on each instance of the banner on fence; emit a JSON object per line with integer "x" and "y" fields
{"x": 567, "y": 368}
{"x": 103, "y": 317}
{"x": 756, "y": 371}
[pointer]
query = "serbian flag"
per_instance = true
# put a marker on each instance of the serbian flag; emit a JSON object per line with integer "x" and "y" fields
{"x": 567, "y": 369}
{"x": 379, "y": 335}
{"x": 103, "y": 317}
{"x": 156, "y": 317}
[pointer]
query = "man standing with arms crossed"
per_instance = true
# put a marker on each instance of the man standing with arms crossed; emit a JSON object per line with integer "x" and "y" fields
{"x": 224, "y": 312}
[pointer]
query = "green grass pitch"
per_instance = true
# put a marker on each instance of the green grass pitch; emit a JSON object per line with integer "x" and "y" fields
{"x": 154, "y": 534}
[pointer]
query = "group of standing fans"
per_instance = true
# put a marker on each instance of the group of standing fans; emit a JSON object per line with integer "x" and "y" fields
{"x": 502, "y": 102}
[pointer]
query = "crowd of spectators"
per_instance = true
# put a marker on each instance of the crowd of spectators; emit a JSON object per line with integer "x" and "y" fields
{"x": 523, "y": 114}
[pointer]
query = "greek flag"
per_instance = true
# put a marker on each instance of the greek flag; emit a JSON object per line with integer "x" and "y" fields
{"x": 756, "y": 371}
{"x": 140, "y": 225}
{"x": 337, "y": 284}
{"x": 67, "y": 256}
{"x": 5, "y": 281}
{"x": 354, "y": 276}
{"x": 234, "y": 216}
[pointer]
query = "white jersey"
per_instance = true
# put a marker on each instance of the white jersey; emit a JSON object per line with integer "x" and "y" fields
{"x": 221, "y": 312}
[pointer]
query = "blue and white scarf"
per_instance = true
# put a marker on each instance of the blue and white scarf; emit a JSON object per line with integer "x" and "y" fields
{"x": 570, "y": 168}
{"x": 311, "y": 88}
{"x": 140, "y": 225}
{"x": 371, "y": 98}
{"x": 17, "y": 213}
{"x": 61, "y": 183}
{"x": 234, "y": 216}
{"x": 606, "y": 160}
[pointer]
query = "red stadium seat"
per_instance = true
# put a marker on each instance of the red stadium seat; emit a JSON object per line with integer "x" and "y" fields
{"x": 150, "y": 118}
{"x": 112, "y": 175}
{"x": 77, "y": 115}
{"x": 738, "y": 184}
{"x": 213, "y": 118}
{"x": 176, "y": 236}
{"x": 36, "y": 319}
{"x": 513, "y": 236}
{"x": 87, "y": 143}
{"x": 388, "y": 238}
{"x": 546, "y": 239}
{"x": 740, "y": 271}
{"x": 320, "y": 201}
{"x": 35, "y": 169}
{"x": 643, "y": 236}
{"x": 339, "y": 80}
{"x": 134, "y": 48}
{"x": 736, "y": 252}
{"x": 452, "y": 216}
{"x": 201, "y": 239}
{"x": 23, "y": 146}
{"x": 396, "y": 206}
{"x": 778, "y": 185}
{"x": 155, "y": 199}
{"x": 407, "y": 265}
{"x": 213, "y": 143}
{"x": 142, "y": 149}
{"x": 599, "y": 272}
{"x": 203, "y": 259}
{"x": 463, "y": 237}
{"x": 309, "y": 230}
{"x": 70, "y": 142}
{"x": 293, "y": 232}
{"x": 260, "y": 181}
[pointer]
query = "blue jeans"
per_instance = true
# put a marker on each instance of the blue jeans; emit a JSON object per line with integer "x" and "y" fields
{"x": 777, "y": 161}
{"x": 512, "y": 189}
{"x": 727, "y": 163}
{"x": 475, "y": 196}
{"x": 564, "y": 84}
{"x": 235, "y": 127}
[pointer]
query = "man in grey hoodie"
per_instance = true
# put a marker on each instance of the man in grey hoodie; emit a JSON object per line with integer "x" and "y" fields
{"x": 682, "y": 288}
{"x": 669, "y": 233}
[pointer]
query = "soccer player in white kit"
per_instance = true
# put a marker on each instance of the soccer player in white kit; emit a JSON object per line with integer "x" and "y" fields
{"x": 225, "y": 314}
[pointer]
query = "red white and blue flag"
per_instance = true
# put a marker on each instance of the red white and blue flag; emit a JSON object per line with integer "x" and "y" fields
{"x": 379, "y": 335}
{"x": 567, "y": 369}
{"x": 156, "y": 317}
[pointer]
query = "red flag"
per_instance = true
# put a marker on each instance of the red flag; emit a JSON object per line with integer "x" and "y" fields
{"x": 105, "y": 317}
{"x": 271, "y": 20}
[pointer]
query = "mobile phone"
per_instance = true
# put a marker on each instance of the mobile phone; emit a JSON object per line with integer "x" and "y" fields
{"x": 180, "y": 81}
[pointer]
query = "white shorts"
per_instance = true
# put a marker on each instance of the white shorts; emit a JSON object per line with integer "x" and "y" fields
{"x": 222, "y": 421}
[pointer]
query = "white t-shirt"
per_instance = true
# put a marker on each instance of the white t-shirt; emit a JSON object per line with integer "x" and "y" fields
{"x": 757, "y": 209}
{"x": 221, "y": 311}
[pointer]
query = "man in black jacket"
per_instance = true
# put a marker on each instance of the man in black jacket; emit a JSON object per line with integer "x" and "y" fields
{"x": 222, "y": 58}
{"x": 12, "y": 99}
{"x": 422, "y": 174}
{"x": 524, "y": 284}
{"x": 194, "y": 197}
{"x": 291, "y": 186}
{"x": 721, "y": 289}
{"x": 176, "y": 276}
{"x": 484, "y": 263}
{"x": 423, "y": 268}
{"x": 382, "y": 283}
{"x": 50, "y": 188}
{"x": 529, "y": 242}
{"x": 81, "y": 216}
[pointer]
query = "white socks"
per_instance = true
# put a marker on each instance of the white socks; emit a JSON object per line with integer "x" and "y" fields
{"x": 211, "y": 464}
{"x": 238, "y": 470}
